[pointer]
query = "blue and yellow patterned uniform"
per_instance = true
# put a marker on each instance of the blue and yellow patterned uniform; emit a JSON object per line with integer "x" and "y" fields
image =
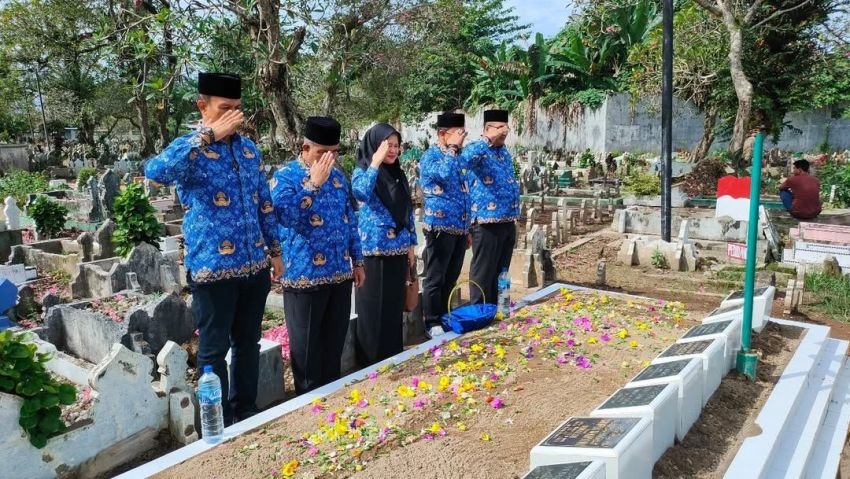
{"x": 230, "y": 218}
{"x": 494, "y": 192}
{"x": 378, "y": 233}
{"x": 446, "y": 191}
{"x": 318, "y": 226}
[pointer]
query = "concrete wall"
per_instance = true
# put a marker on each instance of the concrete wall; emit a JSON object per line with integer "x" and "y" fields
{"x": 14, "y": 157}
{"x": 618, "y": 125}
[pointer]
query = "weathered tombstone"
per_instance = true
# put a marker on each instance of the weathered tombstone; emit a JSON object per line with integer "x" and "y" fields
{"x": 532, "y": 217}
{"x": 86, "y": 243}
{"x": 151, "y": 188}
{"x": 556, "y": 229}
{"x": 547, "y": 236}
{"x": 529, "y": 272}
{"x": 831, "y": 267}
{"x": 582, "y": 212}
{"x": 103, "y": 237}
{"x": 600, "y": 272}
{"x": 96, "y": 212}
{"x": 536, "y": 240}
{"x": 13, "y": 214}
{"x": 172, "y": 360}
{"x": 684, "y": 226}
{"x": 49, "y": 300}
{"x": 547, "y": 266}
{"x": 596, "y": 210}
{"x": 832, "y": 194}
{"x": 127, "y": 178}
{"x": 571, "y": 221}
{"x": 110, "y": 186}
{"x": 133, "y": 282}
{"x": 624, "y": 443}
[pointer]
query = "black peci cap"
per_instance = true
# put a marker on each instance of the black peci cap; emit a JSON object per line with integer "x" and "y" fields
{"x": 451, "y": 120}
{"x": 322, "y": 130}
{"x": 220, "y": 84}
{"x": 500, "y": 116}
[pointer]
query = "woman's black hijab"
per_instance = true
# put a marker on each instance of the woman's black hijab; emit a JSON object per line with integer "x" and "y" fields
{"x": 392, "y": 187}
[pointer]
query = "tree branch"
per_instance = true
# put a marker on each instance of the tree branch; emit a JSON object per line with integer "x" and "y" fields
{"x": 751, "y": 12}
{"x": 782, "y": 12}
{"x": 712, "y": 8}
{"x": 295, "y": 44}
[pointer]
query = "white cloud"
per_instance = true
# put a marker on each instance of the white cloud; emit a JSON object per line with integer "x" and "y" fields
{"x": 544, "y": 16}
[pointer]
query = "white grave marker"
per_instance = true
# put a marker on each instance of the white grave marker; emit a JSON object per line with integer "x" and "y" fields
{"x": 686, "y": 375}
{"x": 712, "y": 354}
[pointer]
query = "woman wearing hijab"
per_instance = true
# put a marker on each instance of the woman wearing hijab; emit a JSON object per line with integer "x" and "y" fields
{"x": 388, "y": 239}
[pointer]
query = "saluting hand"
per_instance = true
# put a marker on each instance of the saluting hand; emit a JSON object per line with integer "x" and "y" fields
{"x": 277, "y": 268}
{"x": 381, "y": 154}
{"x": 227, "y": 124}
{"x": 321, "y": 170}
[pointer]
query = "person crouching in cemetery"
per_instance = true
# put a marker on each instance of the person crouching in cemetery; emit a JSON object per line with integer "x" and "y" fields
{"x": 800, "y": 194}
{"x": 321, "y": 249}
{"x": 388, "y": 238}
{"x": 494, "y": 193}
{"x": 230, "y": 234}
{"x": 446, "y": 220}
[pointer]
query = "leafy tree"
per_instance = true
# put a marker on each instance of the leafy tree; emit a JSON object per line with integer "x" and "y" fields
{"x": 20, "y": 183}
{"x": 135, "y": 222}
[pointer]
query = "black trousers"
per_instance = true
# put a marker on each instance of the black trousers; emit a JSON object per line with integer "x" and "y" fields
{"x": 443, "y": 261}
{"x": 379, "y": 303}
{"x": 317, "y": 322}
{"x": 492, "y": 249}
{"x": 229, "y": 315}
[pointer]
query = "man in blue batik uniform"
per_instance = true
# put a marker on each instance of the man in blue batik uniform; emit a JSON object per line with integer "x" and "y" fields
{"x": 446, "y": 221}
{"x": 321, "y": 248}
{"x": 230, "y": 232}
{"x": 495, "y": 205}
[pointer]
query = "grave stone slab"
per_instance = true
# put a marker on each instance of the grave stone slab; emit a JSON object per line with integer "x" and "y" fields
{"x": 17, "y": 273}
{"x": 573, "y": 470}
{"x": 657, "y": 403}
{"x": 686, "y": 375}
{"x": 729, "y": 331}
{"x": 623, "y": 443}
{"x": 270, "y": 387}
{"x": 86, "y": 242}
{"x": 103, "y": 237}
{"x": 529, "y": 271}
{"x": 762, "y": 305}
{"x": 181, "y": 417}
{"x": 110, "y": 186}
{"x": 172, "y": 367}
{"x": 96, "y": 212}
{"x": 714, "y": 361}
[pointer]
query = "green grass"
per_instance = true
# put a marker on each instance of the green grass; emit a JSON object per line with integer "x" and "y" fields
{"x": 833, "y": 295}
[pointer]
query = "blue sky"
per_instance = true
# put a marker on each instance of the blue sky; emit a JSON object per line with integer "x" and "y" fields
{"x": 544, "y": 16}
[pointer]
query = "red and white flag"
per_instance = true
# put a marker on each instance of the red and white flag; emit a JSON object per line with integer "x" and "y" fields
{"x": 733, "y": 198}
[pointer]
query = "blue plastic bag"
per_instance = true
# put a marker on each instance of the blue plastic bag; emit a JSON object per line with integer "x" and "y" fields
{"x": 470, "y": 317}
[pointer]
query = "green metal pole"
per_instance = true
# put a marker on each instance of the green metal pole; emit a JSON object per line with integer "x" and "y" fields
{"x": 747, "y": 360}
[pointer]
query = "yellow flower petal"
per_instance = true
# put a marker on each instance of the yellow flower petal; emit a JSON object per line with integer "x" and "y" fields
{"x": 288, "y": 470}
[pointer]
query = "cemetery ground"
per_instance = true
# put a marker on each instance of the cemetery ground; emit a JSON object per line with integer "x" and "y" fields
{"x": 472, "y": 407}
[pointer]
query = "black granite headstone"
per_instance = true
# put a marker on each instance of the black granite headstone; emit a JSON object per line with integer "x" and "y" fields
{"x": 684, "y": 349}
{"x": 663, "y": 370}
{"x": 740, "y": 294}
{"x": 726, "y": 309}
{"x": 631, "y": 397}
{"x": 708, "y": 328}
{"x": 558, "y": 471}
{"x": 594, "y": 432}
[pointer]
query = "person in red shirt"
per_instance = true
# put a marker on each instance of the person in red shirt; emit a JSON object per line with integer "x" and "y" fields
{"x": 800, "y": 194}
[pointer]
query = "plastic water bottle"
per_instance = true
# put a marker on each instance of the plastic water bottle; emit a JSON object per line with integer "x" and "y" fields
{"x": 504, "y": 302}
{"x": 209, "y": 398}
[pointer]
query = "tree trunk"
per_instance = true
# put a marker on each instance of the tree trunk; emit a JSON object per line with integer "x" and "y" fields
{"x": 707, "y": 140}
{"x": 146, "y": 147}
{"x": 274, "y": 74}
{"x": 162, "y": 109}
{"x": 742, "y": 84}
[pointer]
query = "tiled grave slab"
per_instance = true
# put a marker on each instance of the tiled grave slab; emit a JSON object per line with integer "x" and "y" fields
{"x": 574, "y": 470}
{"x": 624, "y": 444}
{"x": 686, "y": 375}
{"x": 658, "y": 403}
{"x": 712, "y": 354}
{"x": 728, "y": 330}
{"x": 762, "y": 305}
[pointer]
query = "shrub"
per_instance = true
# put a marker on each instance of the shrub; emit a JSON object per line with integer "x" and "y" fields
{"x": 659, "y": 260}
{"x": 49, "y": 216}
{"x": 83, "y": 177}
{"x": 134, "y": 220}
{"x": 22, "y": 373}
{"x": 20, "y": 183}
{"x": 833, "y": 173}
{"x": 642, "y": 183}
{"x": 586, "y": 159}
{"x": 348, "y": 164}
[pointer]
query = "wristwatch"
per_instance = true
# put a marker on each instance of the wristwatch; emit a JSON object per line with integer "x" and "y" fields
{"x": 207, "y": 132}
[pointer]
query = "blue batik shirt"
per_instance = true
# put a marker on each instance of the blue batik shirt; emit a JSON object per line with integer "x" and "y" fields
{"x": 494, "y": 190}
{"x": 445, "y": 190}
{"x": 229, "y": 220}
{"x": 379, "y": 235}
{"x": 320, "y": 240}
